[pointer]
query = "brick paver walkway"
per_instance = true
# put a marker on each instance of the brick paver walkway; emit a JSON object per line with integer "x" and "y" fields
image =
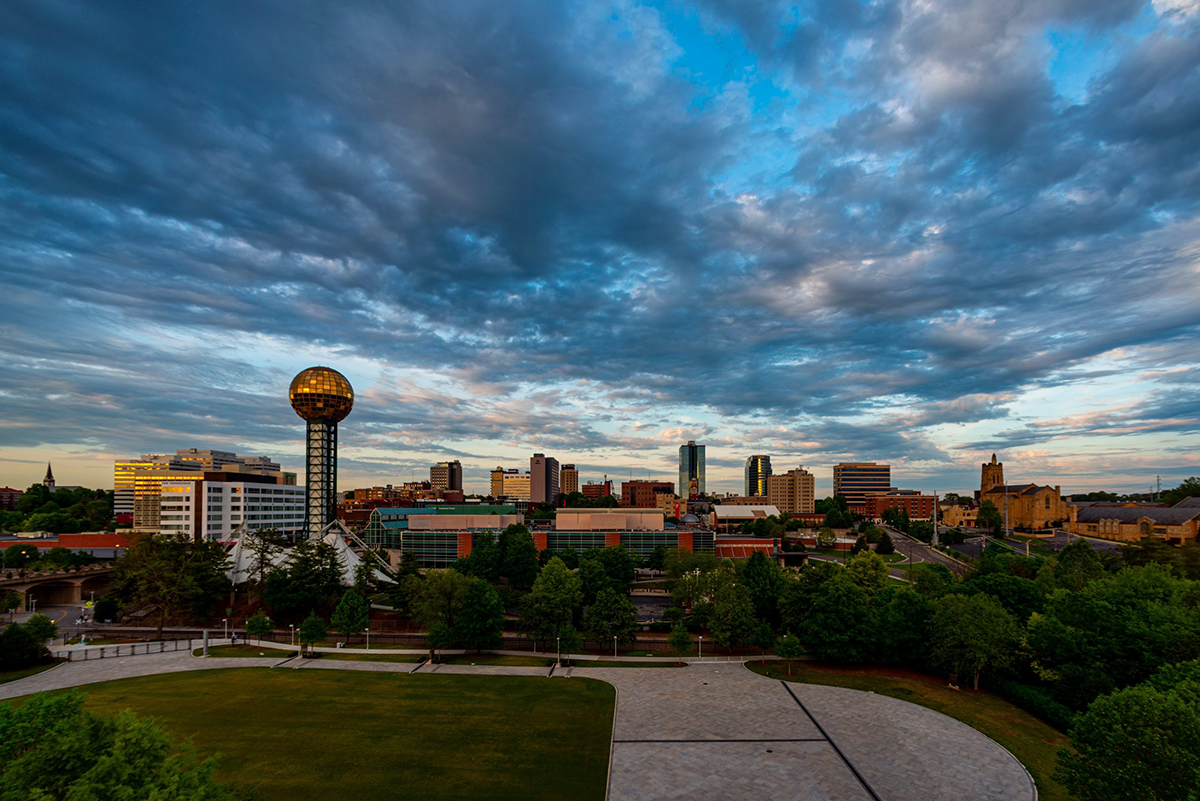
{"x": 716, "y": 732}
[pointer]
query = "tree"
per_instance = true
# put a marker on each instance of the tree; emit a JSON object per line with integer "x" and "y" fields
{"x": 799, "y": 590}
{"x": 868, "y": 570}
{"x": 484, "y": 561}
{"x": 612, "y": 616}
{"x": 438, "y": 597}
{"x": 265, "y": 545}
{"x": 989, "y": 517}
{"x": 312, "y": 631}
{"x": 680, "y": 641}
{"x": 930, "y": 579}
{"x": 480, "y": 624}
{"x": 568, "y": 642}
{"x": 969, "y": 634}
{"x": 1020, "y": 596}
{"x": 9, "y": 600}
{"x": 551, "y": 605}
{"x": 1077, "y": 564}
{"x": 95, "y": 757}
{"x": 733, "y": 622}
{"x": 1137, "y": 744}
{"x": 176, "y": 576}
{"x": 1188, "y": 488}
{"x": 570, "y": 557}
{"x": 763, "y": 637}
{"x": 592, "y": 579}
{"x": 902, "y": 625}
{"x": 619, "y": 564}
{"x": 259, "y": 625}
{"x": 826, "y": 538}
{"x": 19, "y": 648}
{"x": 41, "y": 628}
{"x": 764, "y": 579}
{"x": 19, "y": 555}
{"x": 520, "y": 560}
{"x": 311, "y": 580}
{"x": 790, "y": 649}
{"x": 838, "y": 629}
{"x": 352, "y": 615}
{"x": 658, "y": 558}
{"x": 885, "y": 546}
{"x": 440, "y": 636}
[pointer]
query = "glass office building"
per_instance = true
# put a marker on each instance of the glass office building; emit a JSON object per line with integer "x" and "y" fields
{"x": 691, "y": 470}
{"x": 758, "y": 470}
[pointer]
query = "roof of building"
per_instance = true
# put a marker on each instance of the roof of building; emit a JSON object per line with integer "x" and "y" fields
{"x": 745, "y": 512}
{"x": 1015, "y": 489}
{"x": 1165, "y": 516}
{"x": 690, "y": 520}
{"x": 1189, "y": 503}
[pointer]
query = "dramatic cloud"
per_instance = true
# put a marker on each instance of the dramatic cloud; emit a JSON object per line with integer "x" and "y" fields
{"x": 908, "y": 231}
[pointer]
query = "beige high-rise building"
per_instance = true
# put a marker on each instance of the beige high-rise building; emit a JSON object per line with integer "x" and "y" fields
{"x": 497, "y": 486}
{"x": 568, "y": 479}
{"x": 793, "y": 492}
{"x": 446, "y": 475}
{"x": 510, "y": 483}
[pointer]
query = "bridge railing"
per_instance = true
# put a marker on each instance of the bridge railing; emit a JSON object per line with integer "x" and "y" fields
{"x": 86, "y": 653}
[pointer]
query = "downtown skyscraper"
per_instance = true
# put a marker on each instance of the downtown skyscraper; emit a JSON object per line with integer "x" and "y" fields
{"x": 691, "y": 470}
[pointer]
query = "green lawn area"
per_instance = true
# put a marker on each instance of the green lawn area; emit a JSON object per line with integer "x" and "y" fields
{"x": 244, "y": 651}
{"x": 13, "y": 675}
{"x": 349, "y": 734}
{"x": 1030, "y": 740}
{"x": 496, "y": 659}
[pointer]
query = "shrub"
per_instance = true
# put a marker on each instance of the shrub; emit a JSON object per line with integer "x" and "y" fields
{"x": 1037, "y": 701}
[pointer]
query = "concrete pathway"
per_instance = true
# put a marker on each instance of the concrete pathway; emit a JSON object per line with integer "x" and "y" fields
{"x": 714, "y": 731}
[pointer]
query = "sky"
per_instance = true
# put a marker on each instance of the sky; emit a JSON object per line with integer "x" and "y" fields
{"x": 916, "y": 232}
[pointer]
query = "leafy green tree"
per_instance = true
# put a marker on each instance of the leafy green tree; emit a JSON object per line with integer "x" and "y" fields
{"x": 311, "y": 580}
{"x": 969, "y": 634}
{"x": 902, "y": 626}
{"x": 551, "y": 604}
{"x": 9, "y": 600}
{"x": 1077, "y": 564}
{"x": 619, "y": 564}
{"x": 763, "y": 637}
{"x": 657, "y": 559}
{"x": 545, "y": 555}
{"x": 764, "y": 579}
{"x": 593, "y": 580}
{"x": 19, "y": 555}
{"x": 885, "y": 546}
{"x": 96, "y": 757}
{"x": 1188, "y": 488}
{"x": 677, "y": 563}
{"x": 1021, "y": 597}
{"x": 480, "y": 624}
{"x": 568, "y": 642}
{"x": 438, "y": 597}
{"x": 733, "y": 622}
{"x": 20, "y": 648}
{"x": 989, "y": 517}
{"x": 438, "y": 638}
{"x": 520, "y": 560}
{"x": 1138, "y": 744}
{"x": 176, "y": 576}
{"x": 680, "y": 641}
{"x": 312, "y": 631}
{"x": 930, "y": 579}
{"x": 868, "y": 570}
{"x": 352, "y": 615}
{"x": 789, "y": 649}
{"x": 799, "y": 590}
{"x": 570, "y": 557}
{"x": 826, "y": 538}
{"x": 259, "y": 625}
{"x": 265, "y": 546}
{"x": 41, "y": 628}
{"x": 613, "y": 615}
{"x": 484, "y": 561}
{"x": 838, "y": 629}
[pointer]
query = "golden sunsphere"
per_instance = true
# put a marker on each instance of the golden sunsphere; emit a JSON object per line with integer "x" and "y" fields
{"x": 321, "y": 393}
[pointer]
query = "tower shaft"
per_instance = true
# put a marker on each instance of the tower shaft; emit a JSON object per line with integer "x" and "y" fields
{"x": 320, "y": 477}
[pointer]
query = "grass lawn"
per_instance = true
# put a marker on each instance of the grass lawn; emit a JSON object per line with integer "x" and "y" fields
{"x": 13, "y": 675}
{"x": 244, "y": 651}
{"x": 1030, "y": 740}
{"x": 349, "y": 734}
{"x": 496, "y": 659}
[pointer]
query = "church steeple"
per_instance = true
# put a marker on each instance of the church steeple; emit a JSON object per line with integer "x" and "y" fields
{"x": 49, "y": 479}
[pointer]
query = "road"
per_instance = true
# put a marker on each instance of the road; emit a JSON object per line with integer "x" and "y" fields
{"x": 920, "y": 552}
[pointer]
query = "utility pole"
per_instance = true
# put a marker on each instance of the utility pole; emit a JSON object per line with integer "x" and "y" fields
{"x": 935, "y": 518}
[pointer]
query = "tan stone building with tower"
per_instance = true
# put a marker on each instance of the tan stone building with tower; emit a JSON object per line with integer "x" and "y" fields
{"x": 1027, "y": 506}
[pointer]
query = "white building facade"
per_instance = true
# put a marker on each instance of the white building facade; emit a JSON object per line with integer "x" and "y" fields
{"x": 214, "y": 509}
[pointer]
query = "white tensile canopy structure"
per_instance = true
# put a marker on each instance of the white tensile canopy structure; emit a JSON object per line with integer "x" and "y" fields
{"x": 241, "y": 558}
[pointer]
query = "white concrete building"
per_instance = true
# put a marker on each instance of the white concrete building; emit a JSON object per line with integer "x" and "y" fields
{"x": 214, "y": 509}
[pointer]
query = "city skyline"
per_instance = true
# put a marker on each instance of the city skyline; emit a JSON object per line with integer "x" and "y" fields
{"x": 916, "y": 239}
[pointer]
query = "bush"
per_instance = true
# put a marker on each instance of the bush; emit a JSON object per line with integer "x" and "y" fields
{"x": 1037, "y": 701}
{"x": 659, "y": 625}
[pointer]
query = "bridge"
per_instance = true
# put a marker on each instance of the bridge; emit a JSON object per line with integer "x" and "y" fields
{"x": 57, "y": 587}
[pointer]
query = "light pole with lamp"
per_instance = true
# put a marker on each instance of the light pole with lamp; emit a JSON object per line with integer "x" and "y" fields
{"x": 558, "y": 651}
{"x": 368, "y": 631}
{"x": 614, "y": 647}
{"x": 292, "y": 635}
{"x": 225, "y": 622}
{"x": 701, "y": 652}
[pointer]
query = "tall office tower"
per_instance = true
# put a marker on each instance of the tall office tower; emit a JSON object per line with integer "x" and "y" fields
{"x": 322, "y": 397}
{"x": 758, "y": 470}
{"x": 568, "y": 479}
{"x": 856, "y": 480}
{"x": 543, "y": 479}
{"x": 446, "y": 475}
{"x": 497, "y": 486}
{"x": 792, "y": 492}
{"x": 992, "y": 475}
{"x": 691, "y": 470}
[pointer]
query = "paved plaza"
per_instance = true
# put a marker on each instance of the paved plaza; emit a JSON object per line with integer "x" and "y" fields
{"x": 715, "y": 731}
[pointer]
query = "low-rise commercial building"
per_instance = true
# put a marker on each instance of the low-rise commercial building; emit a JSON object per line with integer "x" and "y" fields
{"x": 386, "y": 525}
{"x": 609, "y": 520}
{"x": 957, "y": 516}
{"x": 216, "y": 502}
{"x": 722, "y": 517}
{"x": 640, "y": 494}
{"x": 595, "y": 490}
{"x": 1174, "y": 525}
{"x": 9, "y": 498}
{"x": 918, "y": 506}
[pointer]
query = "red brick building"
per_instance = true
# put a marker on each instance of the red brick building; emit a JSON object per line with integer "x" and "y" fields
{"x": 643, "y": 494}
{"x": 9, "y": 498}
{"x": 594, "y": 490}
{"x": 919, "y": 507}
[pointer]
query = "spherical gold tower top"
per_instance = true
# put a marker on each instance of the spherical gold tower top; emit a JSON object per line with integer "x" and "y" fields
{"x": 321, "y": 393}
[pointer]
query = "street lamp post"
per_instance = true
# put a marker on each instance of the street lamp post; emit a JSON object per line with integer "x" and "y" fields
{"x": 368, "y": 631}
{"x": 614, "y": 647}
{"x": 558, "y": 651}
{"x": 225, "y": 622}
{"x": 701, "y": 651}
{"x": 292, "y": 634}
